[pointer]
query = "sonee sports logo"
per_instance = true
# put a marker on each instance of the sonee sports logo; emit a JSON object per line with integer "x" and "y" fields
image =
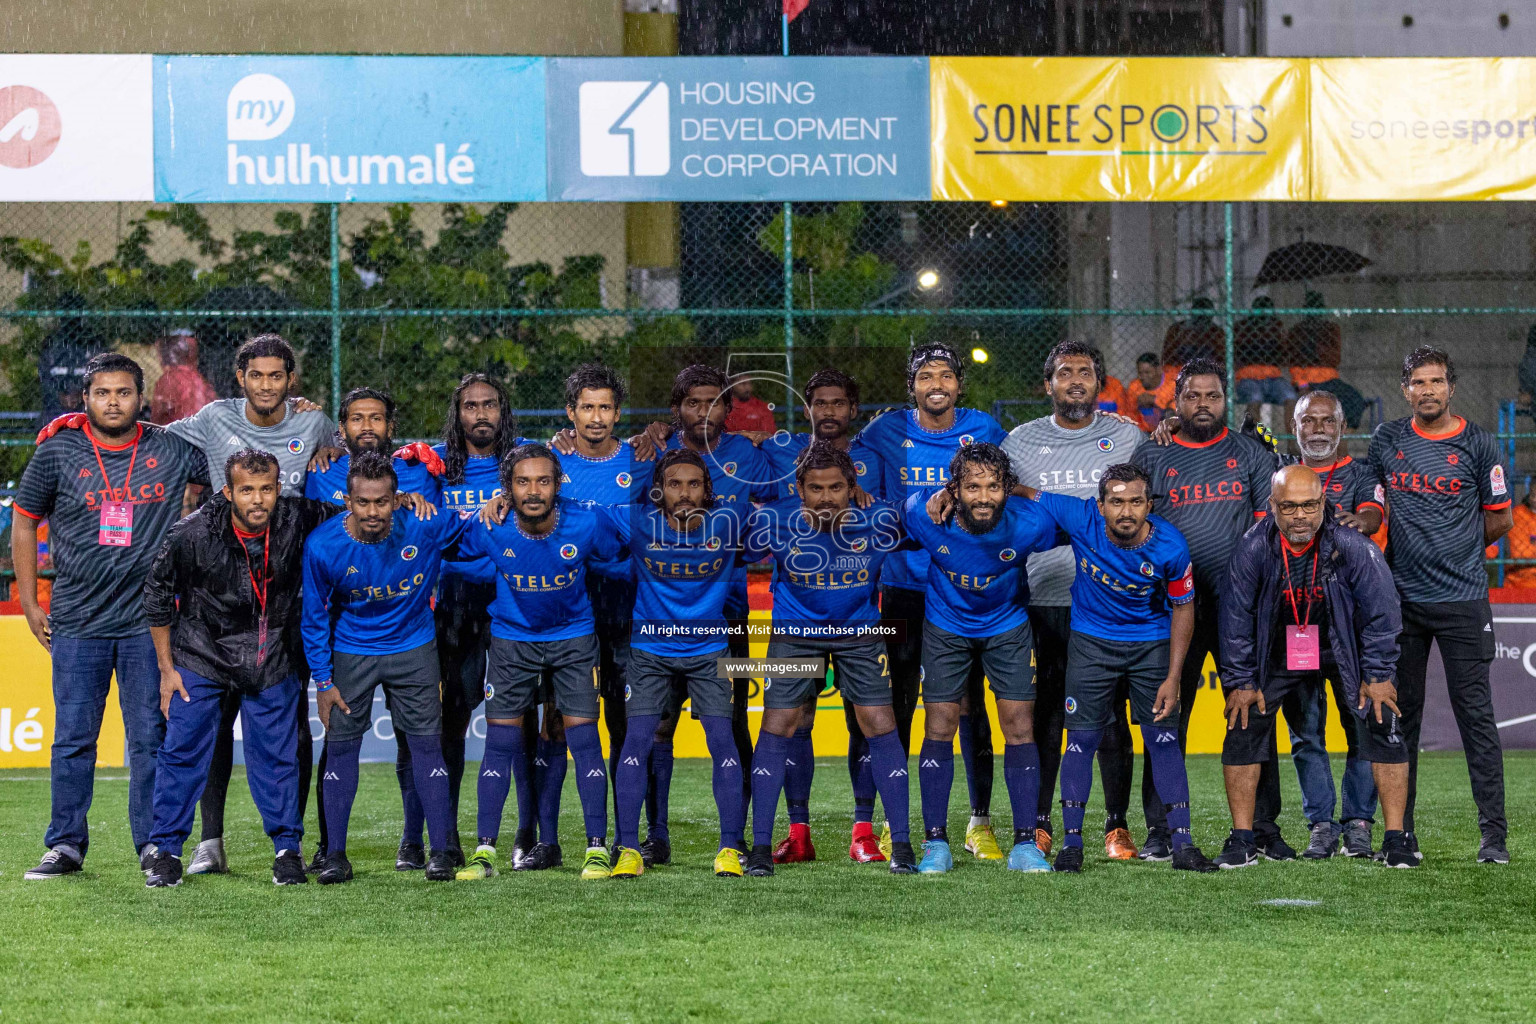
{"x": 625, "y": 129}
{"x": 296, "y": 445}
{"x": 1007, "y": 554}
{"x": 623, "y": 479}
{"x": 966, "y": 439}
{"x": 1071, "y": 705}
{"x": 1146, "y": 569}
{"x": 1106, "y": 444}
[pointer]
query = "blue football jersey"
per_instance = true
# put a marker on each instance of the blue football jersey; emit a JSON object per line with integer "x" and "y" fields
{"x": 617, "y": 480}
{"x": 481, "y": 483}
{"x": 331, "y": 486}
{"x": 783, "y": 448}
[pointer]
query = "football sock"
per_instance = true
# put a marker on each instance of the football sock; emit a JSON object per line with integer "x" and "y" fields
{"x": 726, "y": 779}
{"x": 769, "y": 775}
{"x": 340, "y": 790}
{"x": 889, "y": 772}
{"x": 1169, "y": 777}
{"x": 629, "y": 781}
{"x": 591, "y": 779}
{"x": 432, "y": 784}
{"x": 935, "y": 778}
{"x": 861, "y": 774}
{"x": 799, "y": 769}
{"x": 978, "y": 766}
{"x": 503, "y": 750}
{"x": 1021, "y": 774}
{"x": 548, "y": 780}
{"x": 660, "y": 789}
{"x": 1077, "y": 782}
{"x": 968, "y": 756}
{"x": 415, "y": 818}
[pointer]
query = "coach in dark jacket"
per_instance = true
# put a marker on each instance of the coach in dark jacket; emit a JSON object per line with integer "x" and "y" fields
{"x": 1306, "y": 597}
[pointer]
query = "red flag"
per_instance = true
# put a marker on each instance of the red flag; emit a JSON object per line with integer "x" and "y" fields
{"x": 792, "y": 8}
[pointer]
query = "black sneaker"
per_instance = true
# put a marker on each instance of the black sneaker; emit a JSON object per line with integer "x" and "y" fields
{"x": 288, "y": 869}
{"x": 1356, "y": 834}
{"x": 521, "y": 844}
{"x": 656, "y": 850}
{"x": 317, "y": 863}
{"x": 456, "y": 854}
{"x": 1237, "y": 854}
{"x": 760, "y": 861}
{"x": 1189, "y": 858}
{"x": 410, "y": 857}
{"x": 440, "y": 867}
{"x": 1397, "y": 852}
{"x": 1158, "y": 845}
{"x": 903, "y": 860}
{"x": 164, "y": 871}
{"x": 542, "y": 857}
{"x": 1492, "y": 850}
{"x": 1324, "y": 841}
{"x": 1070, "y": 859}
{"x": 147, "y": 856}
{"x": 1274, "y": 847}
{"x": 1413, "y": 844}
{"x": 337, "y": 869}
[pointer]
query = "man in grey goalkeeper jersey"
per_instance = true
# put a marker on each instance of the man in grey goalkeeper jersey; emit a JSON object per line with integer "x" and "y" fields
{"x": 1064, "y": 453}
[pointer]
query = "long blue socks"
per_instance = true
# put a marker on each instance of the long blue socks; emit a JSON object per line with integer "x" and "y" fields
{"x": 591, "y": 779}
{"x": 340, "y": 790}
{"x": 1170, "y": 779}
{"x": 935, "y": 779}
{"x": 799, "y": 770}
{"x": 1077, "y": 781}
{"x": 1021, "y": 774}
{"x": 769, "y": 771}
{"x": 888, "y": 771}
{"x": 505, "y": 758}
{"x": 727, "y": 779}
{"x": 549, "y": 768}
{"x": 631, "y": 779}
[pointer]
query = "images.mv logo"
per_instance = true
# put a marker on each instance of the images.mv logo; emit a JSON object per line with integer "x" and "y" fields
{"x": 625, "y": 129}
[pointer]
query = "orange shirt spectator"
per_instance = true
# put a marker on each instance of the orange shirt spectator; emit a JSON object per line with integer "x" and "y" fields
{"x": 1258, "y": 342}
{"x": 1315, "y": 344}
{"x": 1112, "y": 397}
{"x": 1154, "y": 381}
{"x": 1522, "y": 544}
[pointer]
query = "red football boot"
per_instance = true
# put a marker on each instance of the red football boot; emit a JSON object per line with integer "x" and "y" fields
{"x": 796, "y": 847}
{"x": 865, "y": 848}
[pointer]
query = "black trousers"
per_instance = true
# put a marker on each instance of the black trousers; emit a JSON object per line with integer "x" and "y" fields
{"x": 1463, "y": 630}
{"x": 211, "y": 807}
{"x": 613, "y": 603}
{"x": 907, "y": 607}
{"x": 463, "y": 621}
{"x": 1052, "y": 627}
{"x": 1206, "y": 641}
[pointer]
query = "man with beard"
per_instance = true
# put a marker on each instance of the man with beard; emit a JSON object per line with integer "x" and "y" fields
{"x": 1307, "y": 595}
{"x": 684, "y": 544}
{"x": 367, "y": 621}
{"x": 1448, "y": 500}
{"x": 223, "y": 606}
{"x": 110, "y": 488}
{"x": 1357, "y": 501}
{"x": 912, "y": 451}
{"x": 828, "y": 556}
{"x": 1066, "y": 453}
{"x": 977, "y": 621}
{"x": 1211, "y": 484}
{"x": 541, "y": 626}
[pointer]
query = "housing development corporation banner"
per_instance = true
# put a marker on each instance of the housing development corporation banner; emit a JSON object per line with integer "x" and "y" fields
{"x": 1424, "y": 128}
{"x": 1131, "y": 129}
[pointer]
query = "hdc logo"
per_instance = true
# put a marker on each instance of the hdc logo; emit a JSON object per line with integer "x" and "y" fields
{"x": 626, "y": 129}
{"x": 30, "y": 126}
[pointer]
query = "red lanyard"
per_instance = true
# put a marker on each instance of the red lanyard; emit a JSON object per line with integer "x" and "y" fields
{"x": 111, "y": 491}
{"x": 1290, "y": 589}
{"x": 260, "y": 590}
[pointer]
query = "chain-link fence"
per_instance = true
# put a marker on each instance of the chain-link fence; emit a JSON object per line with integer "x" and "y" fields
{"x": 411, "y": 298}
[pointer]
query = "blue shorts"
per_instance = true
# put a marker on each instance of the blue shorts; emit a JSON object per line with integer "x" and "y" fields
{"x": 1271, "y": 390}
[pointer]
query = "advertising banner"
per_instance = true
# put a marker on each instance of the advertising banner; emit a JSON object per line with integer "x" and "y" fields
{"x": 345, "y": 129}
{"x": 738, "y": 128}
{"x": 1417, "y": 128}
{"x": 1082, "y": 129}
{"x": 75, "y": 127}
{"x": 1513, "y": 676}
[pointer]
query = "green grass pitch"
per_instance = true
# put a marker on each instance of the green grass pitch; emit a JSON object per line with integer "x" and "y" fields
{"x": 831, "y": 941}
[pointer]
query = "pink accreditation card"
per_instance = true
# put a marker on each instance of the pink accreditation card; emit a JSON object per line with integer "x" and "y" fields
{"x": 1301, "y": 649}
{"x": 116, "y": 524}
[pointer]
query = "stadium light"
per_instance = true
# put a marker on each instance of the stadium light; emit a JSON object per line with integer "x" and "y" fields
{"x": 978, "y": 355}
{"x": 927, "y": 279}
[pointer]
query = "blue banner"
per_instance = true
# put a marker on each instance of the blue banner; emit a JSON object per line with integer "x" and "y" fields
{"x": 343, "y": 129}
{"x": 738, "y": 128}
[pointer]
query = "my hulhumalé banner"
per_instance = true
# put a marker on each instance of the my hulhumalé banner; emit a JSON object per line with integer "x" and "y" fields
{"x": 1134, "y": 129}
{"x": 1424, "y": 128}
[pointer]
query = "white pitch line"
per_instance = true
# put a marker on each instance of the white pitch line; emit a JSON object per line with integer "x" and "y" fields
{"x": 1518, "y": 721}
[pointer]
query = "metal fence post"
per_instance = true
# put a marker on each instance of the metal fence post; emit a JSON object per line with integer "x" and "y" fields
{"x": 789, "y": 319}
{"x": 1226, "y": 319}
{"x": 335, "y": 311}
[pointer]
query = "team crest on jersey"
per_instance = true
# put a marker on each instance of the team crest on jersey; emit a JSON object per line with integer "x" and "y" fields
{"x": 1007, "y": 554}
{"x": 966, "y": 439}
{"x": 858, "y": 467}
{"x": 490, "y": 691}
{"x": 623, "y": 479}
{"x": 1147, "y": 570}
{"x": 713, "y": 544}
{"x": 568, "y": 551}
{"x": 730, "y": 468}
{"x": 858, "y": 546}
{"x": 1106, "y": 444}
{"x": 408, "y": 552}
{"x": 627, "y": 692}
{"x": 1071, "y": 705}
{"x": 296, "y": 445}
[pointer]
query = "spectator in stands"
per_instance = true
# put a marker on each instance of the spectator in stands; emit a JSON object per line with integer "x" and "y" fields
{"x": 1315, "y": 345}
{"x": 748, "y": 412}
{"x": 1196, "y": 338}
{"x": 61, "y": 364}
{"x": 1258, "y": 344}
{"x": 1527, "y": 371}
{"x": 1522, "y": 543}
{"x": 1112, "y": 397}
{"x": 1151, "y": 393}
{"x": 181, "y": 390}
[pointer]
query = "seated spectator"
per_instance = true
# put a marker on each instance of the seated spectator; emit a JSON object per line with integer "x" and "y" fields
{"x": 1315, "y": 344}
{"x": 1151, "y": 393}
{"x": 1522, "y": 543}
{"x": 748, "y": 412}
{"x": 1112, "y": 397}
{"x": 181, "y": 390}
{"x": 1258, "y": 346}
{"x": 1196, "y": 338}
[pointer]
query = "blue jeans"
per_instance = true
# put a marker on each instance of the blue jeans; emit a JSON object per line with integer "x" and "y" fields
{"x": 1314, "y": 771}
{"x": 271, "y": 759}
{"x": 82, "y": 675}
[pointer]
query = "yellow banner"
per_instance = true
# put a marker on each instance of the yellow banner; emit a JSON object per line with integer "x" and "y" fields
{"x": 1131, "y": 129}
{"x": 26, "y": 703}
{"x": 1441, "y": 128}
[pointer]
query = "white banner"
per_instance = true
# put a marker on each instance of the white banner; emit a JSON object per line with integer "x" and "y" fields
{"x": 76, "y": 127}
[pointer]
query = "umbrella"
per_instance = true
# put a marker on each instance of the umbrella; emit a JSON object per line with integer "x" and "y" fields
{"x": 1305, "y": 260}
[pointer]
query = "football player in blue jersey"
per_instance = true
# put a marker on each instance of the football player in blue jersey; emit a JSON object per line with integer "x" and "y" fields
{"x": 976, "y": 616}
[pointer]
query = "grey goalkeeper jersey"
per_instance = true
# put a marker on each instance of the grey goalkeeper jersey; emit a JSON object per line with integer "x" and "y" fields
{"x": 1049, "y": 457}
{"x": 220, "y": 429}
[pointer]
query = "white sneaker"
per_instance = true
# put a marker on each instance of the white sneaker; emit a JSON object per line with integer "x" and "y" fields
{"x": 209, "y": 859}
